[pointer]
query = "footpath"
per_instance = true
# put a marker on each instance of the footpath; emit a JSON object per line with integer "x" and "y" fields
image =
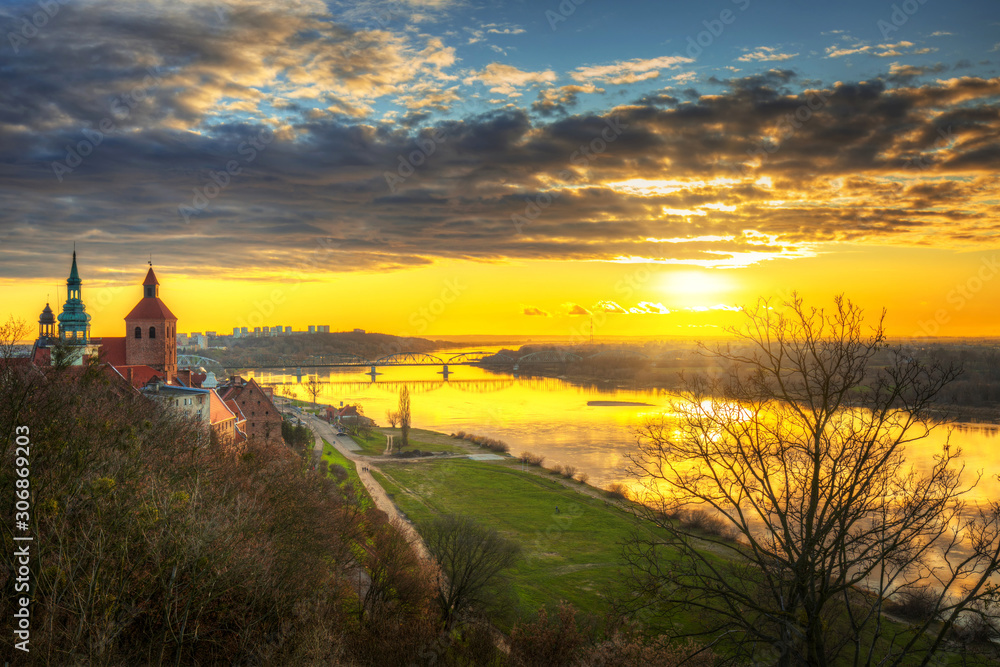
{"x": 363, "y": 464}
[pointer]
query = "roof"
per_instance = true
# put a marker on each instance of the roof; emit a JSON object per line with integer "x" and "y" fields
{"x": 74, "y": 275}
{"x": 112, "y": 350}
{"x": 138, "y": 375}
{"x": 150, "y": 308}
{"x": 234, "y": 406}
{"x": 47, "y": 317}
{"x": 218, "y": 411}
{"x": 150, "y": 278}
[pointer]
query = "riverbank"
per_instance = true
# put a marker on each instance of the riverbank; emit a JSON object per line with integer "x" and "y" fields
{"x": 961, "y": 414}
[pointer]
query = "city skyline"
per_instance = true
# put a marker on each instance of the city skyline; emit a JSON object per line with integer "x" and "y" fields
{"x": 436, "y": 167}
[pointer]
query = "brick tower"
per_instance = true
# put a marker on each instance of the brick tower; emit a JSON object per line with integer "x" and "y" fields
{"x": 151, "y": 331}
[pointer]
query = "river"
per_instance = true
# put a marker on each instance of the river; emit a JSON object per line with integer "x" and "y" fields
{"x": 552, "y": 418}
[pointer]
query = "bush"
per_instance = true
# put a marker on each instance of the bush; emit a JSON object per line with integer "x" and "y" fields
{"x": 916, "y": 604}
{"x": 583, "y": 477}
{"x": 532, "y": 459}
{"x": 706, "y": 522}
{"x": 493, "y": 444}
{"x": 557, "y": 469}
{"x": 569, "y": 472}
{"x": 618, "y": 491}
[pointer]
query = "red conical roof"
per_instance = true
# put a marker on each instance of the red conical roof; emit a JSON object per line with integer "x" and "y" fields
{"x": 150, "y": 278}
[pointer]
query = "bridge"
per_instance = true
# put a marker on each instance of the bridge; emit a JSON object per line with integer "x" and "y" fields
{"x": 477, "y": 358}
{"x": 536, "y": 360}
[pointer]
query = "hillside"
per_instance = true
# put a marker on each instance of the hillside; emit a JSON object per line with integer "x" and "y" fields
{"x": 247, "y": 352}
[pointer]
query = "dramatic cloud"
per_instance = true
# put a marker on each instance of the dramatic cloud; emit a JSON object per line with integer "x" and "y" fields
{"x": 292, "y": 140}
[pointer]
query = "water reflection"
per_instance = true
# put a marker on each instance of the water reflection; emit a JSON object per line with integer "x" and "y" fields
{"x": 550, "y": 417}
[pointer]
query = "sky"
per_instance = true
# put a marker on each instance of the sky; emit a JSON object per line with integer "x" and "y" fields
{"x": 435, "y": 167}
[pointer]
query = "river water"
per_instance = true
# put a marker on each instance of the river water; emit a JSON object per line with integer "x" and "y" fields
{"x": 551, "y": 417}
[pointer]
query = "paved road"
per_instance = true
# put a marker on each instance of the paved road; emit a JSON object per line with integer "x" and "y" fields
{"x": 322, "y": 429}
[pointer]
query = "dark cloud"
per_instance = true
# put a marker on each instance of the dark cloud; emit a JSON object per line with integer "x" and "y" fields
{"x": 194, "y": 164}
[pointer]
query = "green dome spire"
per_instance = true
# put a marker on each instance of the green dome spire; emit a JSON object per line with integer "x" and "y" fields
{"x": 74, "y": 322}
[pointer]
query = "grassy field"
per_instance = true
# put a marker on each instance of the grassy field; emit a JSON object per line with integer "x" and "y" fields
{"x": 570, "y": 540}
{"x": 570, "y": 554}
{"x": 430, "y": 441}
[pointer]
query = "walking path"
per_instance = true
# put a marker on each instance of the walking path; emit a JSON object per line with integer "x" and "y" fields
{"x": 363, "y": 464}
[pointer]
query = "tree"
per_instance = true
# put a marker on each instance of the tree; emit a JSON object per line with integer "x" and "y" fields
{"x": 404, "y": 415}
{"x": 391, "y": 417}
{"x": 313, "y": 387}
{"x": 471, "y": 558}
{"x": 799, "y": 449}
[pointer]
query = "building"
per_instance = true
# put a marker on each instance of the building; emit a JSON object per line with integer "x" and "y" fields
{"x": 263, "y": 421}
{"x": 73, "y": 332}
{"x": 312, "y": 328}
{"x": 151, "y": 331}
{"x": 146, "y": 358}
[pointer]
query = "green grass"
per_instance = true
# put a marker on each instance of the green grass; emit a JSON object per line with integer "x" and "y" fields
{"x": 373, "y": 445}
{"x": 570, "y": 555}
{"x": 332, "y": 456}
{"x": 428, "y": 441}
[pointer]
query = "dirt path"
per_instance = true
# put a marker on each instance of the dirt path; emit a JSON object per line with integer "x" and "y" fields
{"x": 363, "y": 464}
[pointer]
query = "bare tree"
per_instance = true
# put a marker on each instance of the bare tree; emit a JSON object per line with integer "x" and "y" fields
{"x": 404, "y": 415}
{"x": 471, "y": 558}
{"x": 313, "y": 387}
{"x": 800, "y": 451}
{"x": 391, "y": 417}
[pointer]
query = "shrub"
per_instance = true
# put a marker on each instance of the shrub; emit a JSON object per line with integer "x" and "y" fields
{"x": 618, "y": 491}
{"x": 583, "y": 477}
{"x": 569, "y": 472}
{"x": 532, "y": 459}
{"x": 918, "y": 604}
{"x": 706, "y": 522}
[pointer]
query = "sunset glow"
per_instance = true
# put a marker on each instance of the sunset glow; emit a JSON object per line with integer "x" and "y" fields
{"x": 357, "y": 159}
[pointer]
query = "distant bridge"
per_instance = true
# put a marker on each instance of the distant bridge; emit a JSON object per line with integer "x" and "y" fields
{"x": 477, "y": 358}
{"x": 497, "y": 360}
{"x": 193, "y": 360}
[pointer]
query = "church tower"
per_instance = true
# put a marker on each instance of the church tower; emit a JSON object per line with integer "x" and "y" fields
{"x": 74, "y": 322}
{"x": 151, "y": 331}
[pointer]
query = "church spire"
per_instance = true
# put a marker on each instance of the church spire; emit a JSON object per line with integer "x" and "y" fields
{"x": 74, "y": 322}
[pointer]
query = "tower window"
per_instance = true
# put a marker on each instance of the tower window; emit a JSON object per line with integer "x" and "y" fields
{"x": 152, "y": 332}
{"x": 138, "y": 332}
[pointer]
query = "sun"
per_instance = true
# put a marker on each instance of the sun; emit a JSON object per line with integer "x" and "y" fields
{"x": 691, "y": 288}
{"x": 695, "y": 282}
